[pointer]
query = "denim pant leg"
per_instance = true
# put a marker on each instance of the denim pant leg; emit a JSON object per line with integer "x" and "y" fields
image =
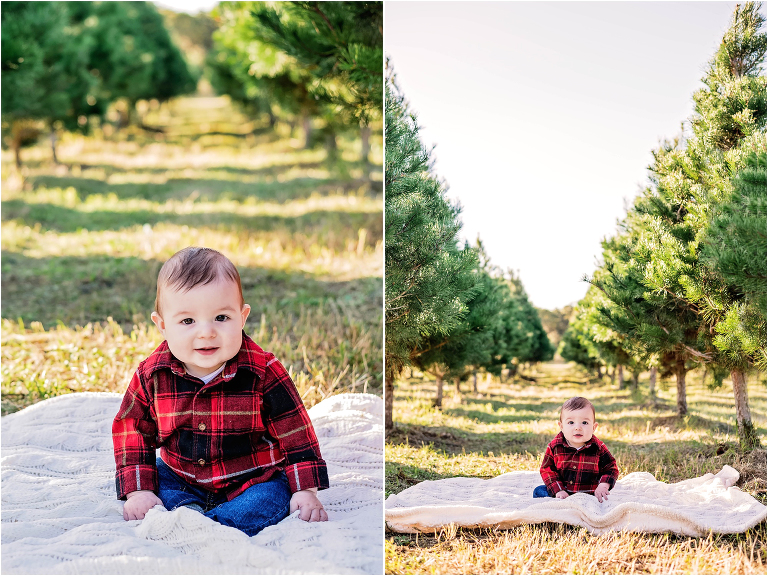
{"x": 259, "y": 506}
{"x": 174, "y": 492}
{"x": 541, "y": 492}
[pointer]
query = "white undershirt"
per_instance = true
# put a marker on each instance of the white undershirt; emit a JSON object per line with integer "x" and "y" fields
{"x": 212, "y": 375}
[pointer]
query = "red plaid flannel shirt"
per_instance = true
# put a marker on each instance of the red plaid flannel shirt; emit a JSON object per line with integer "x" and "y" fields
{"x": 572, "y": 470}
{"x": 227, "y": 435}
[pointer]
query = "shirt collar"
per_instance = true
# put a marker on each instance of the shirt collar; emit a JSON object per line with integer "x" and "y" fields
{"x": 250, "y": 357}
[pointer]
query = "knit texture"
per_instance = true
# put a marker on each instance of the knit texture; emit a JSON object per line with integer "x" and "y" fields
{"x": 60, "y": 514}
{"x": 638, "y": 503}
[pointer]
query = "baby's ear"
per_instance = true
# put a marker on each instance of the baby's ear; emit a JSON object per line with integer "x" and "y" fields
{"x": 159, "y": 322}
{"x": 244, "y": 313}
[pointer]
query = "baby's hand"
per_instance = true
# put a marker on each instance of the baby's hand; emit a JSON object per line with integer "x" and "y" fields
{"x": 562, "y": 494}
{"x": 139, "y": 503}
{"x": 310, "y": 508}
{"x": 601, "y": 492}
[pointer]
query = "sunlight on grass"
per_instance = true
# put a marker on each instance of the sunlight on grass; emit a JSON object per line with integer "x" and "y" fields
{"x": 83, "y": 242}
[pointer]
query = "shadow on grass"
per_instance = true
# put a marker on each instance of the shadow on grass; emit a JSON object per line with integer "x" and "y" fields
{"x": 266, "y": 171}
{"x": 454, "y": 441}
{"x": 209, "y": 189}
{"x": 401, "y": 476}
{"x": 78, "y": 290}
{"x": 335, "y": 230}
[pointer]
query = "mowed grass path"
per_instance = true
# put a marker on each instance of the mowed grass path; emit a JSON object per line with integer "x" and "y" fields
{"x": 507, "y": 426}
{"x": 83, "y": 241}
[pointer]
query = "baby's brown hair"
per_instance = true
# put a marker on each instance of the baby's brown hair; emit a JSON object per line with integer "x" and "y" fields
{"x": 193, "y": 266}
{"x": 576, "y": 403}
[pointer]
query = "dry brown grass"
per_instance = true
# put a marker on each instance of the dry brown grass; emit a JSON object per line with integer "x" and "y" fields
{"x": 559, "y": 549}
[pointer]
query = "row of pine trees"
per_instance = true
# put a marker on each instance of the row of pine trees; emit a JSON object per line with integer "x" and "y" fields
{"x": 308, "y": 64}
{"x": 303, "y": 63}
{"x": 448, "y": 311}
{"x": 682, "y": 283}
{"x": 65, "y": 63}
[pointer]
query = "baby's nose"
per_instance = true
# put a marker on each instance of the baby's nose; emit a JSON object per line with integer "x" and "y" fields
{"x": 207, "y": 329}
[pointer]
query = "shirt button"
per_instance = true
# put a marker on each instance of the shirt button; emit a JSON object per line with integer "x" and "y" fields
{"x": 201, "y": 462}
{"x": 201, "y": 426}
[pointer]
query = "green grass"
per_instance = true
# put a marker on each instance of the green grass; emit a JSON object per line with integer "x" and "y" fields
{"x": 83, "y": 241}
{"x": 507, "y": 426}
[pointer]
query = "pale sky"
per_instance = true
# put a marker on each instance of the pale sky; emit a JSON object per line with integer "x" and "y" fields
{"x": 545, "y": 114}
{"x": 188, "y": 6}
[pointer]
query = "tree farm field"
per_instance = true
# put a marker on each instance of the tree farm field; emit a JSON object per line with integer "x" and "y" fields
{"x": 506, "y": 427}
{"x": 83, "y": 241}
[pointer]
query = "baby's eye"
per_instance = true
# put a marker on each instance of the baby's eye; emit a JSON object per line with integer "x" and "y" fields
{"x": 222, "y": 318}
{"x": 187, "y": 321}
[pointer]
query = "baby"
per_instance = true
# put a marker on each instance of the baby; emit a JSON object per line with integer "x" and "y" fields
{"x": 236, "y": 442}
{"x": 576, "y": 461}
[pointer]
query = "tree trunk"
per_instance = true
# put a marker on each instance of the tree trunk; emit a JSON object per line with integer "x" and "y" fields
{"x": 652, "y": 382}
{"x": 682, "y": 403}
{"x": 365, "y": 139}
{"x": 17, "y": 153}
{"x": 599, "y": 372}
{"x": 53, "y": 146}
{"x": 474, "y": 381}
{"x": 620, "y": 370}
{"x": 438, "y": 403}
{"x": 306, "y": 124}
{"x": 635, "y": 380}
{"x": 704, "y": 376}
{"x": 389, "y": 396}
{"x": 458, "y": 385}
{"x": 613, "y": 376}
{"x": 331, "y": 146}
{"x": 747, "y": 435}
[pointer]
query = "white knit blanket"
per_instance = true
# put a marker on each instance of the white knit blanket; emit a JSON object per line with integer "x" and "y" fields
{"x": 60, "y": 514}
{"x": 637, "y": 503}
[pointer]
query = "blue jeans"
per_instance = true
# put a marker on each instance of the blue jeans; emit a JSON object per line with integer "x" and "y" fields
{"x": 261, "y": 505}
{"x": 541, "y": 492}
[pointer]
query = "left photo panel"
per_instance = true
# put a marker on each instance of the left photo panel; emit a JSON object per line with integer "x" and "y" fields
{"x": 192, "y": 287}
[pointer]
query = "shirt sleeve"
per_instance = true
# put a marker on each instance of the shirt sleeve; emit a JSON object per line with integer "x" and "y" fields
{"x": 549, "y": 473}
{"x": 288, "y": 422}
{"x": 134, "y": 434}
{"x": 609, "y": 470}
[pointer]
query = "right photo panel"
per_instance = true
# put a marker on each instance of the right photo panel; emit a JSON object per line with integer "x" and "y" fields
{"x": 575, "y": 287}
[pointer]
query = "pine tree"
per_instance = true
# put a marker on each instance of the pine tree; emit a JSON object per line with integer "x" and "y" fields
{"x": 728, "y": 126}
{"x": 35, "y": 77}
{"x": 64, "y": 62}
{"x": 428, "y": 278}
{"x": 303, "y": 61}
{"x": 644, "y": 321}
{"x": 664, "y": 296}
{"x": 258, "y": 75}
{"x": 469, "y": 346}
{"x": 340, "y": 41}
{"x": 735, "y": 247}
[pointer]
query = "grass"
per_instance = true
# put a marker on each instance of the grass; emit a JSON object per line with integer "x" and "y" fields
{"x": 83, "y": 241}
{"x": 506, "y": 427}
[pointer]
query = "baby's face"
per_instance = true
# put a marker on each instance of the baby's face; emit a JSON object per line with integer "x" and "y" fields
{"x": 203, "y": 326}
{"x": 578, "y": 426}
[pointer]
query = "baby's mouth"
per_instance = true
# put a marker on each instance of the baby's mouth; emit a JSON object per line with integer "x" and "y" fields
{"x": 206, "y": 351}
